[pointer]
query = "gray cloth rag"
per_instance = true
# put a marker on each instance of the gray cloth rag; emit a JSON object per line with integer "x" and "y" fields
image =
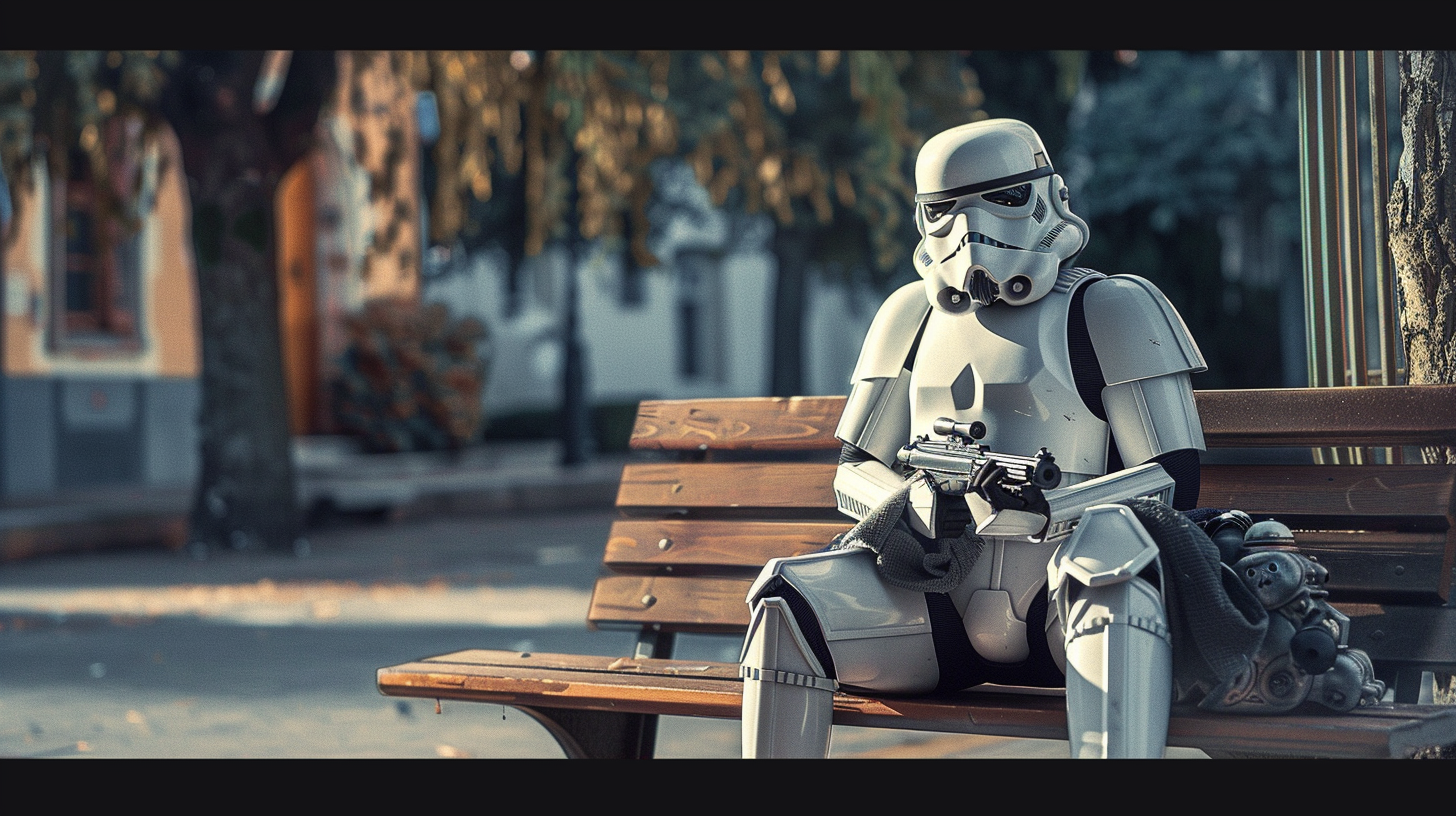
{"x": 1217, "y": 624}
{"x": 906, "y": 560}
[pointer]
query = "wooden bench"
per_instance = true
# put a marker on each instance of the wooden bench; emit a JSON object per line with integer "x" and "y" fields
{"x": 719, "y": 486}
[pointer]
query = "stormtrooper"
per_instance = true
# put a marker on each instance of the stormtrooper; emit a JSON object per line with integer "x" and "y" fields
{"x": 1003, "y": 583}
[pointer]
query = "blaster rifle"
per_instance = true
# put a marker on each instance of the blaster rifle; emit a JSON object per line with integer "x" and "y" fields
{"x": 954, "y": 463}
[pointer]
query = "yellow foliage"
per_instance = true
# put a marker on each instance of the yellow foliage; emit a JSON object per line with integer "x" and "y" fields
{"x": 517, "y": 112}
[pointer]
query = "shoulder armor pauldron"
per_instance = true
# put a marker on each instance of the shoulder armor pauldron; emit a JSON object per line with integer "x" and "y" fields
{"x": 1137, "y": 333}
{"x": 892, "y": 333}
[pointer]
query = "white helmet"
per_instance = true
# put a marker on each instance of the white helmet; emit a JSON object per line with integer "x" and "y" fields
{"x": 992, "y": 216}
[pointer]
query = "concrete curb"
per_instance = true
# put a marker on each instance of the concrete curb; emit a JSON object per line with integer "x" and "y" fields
{"x": 333, "y": 477}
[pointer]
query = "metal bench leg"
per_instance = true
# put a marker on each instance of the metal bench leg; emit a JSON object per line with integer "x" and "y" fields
{"x": 599, "y": 734}
{"x": 1414, "y": 686}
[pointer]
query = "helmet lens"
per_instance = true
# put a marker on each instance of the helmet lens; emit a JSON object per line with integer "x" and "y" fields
{"x": 1011, "y": 196}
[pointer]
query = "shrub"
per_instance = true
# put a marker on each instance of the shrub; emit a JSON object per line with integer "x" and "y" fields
{"x": 411, "y": 377}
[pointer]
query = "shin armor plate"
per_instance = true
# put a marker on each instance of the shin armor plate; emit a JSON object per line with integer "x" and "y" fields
{"x": 788, "y": 702}
{"x": 1119, "y": 656}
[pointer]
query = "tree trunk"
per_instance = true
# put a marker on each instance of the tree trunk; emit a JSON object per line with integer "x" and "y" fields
{"x": 792, "y": 248}
{"x": 233, "y": 159}
{"x": 1422, "y": 206}
{"x": 1423, "y": 234}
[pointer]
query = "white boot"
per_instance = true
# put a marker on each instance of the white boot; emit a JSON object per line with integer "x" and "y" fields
{"x": 788, "y": 702}
{"x": 1119, "y": 656}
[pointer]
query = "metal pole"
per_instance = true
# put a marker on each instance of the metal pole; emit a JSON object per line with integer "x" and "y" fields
{"x": 1322, "y": 348}
{"x": 1347, "y": 188}
{"x": 6, "y": 214}
{"x": 1328, "y": 207}
{"x": 1379, "y": 185}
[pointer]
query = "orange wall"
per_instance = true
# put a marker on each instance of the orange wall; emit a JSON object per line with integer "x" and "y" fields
{"x": 168, "y": 293}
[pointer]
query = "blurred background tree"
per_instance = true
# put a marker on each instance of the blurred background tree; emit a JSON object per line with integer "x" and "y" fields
{"x": 1186, "y": 167}
{"x": 63, "y": 105}
{"x": 825, "y": 143}
{"x": 238, "y": 136}
{"x": 560, "y": 145}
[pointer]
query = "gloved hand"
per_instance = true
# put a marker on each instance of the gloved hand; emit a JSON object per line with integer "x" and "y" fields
{"x": 934, "y": 514}
{"x": 1001, "y": 511}
{"x": 951, "y": 516}
{"x": 1027, "y": 498}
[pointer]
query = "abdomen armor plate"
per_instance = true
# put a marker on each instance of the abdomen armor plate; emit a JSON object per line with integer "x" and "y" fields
{"x": 1007, "y": 366}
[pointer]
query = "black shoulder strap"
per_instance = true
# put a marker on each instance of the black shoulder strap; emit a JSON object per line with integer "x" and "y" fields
{"x": 1086, "y": 370}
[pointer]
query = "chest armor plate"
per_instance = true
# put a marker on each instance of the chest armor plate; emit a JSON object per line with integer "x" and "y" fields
{"x": 1009, "y": 368}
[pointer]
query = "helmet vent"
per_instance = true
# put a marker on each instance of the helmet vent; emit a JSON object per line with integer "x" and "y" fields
{"x": 1052, "y": 236}
{"x": 984, "y": 290}
{"x": 1040, "y": 212}
{"x": 925, "y": 259}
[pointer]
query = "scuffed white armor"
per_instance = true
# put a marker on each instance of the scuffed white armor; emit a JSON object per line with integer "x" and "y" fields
{"x": 796, "y": 681}
{"x": 1019, "y": 382}
{"x": 984, "y": 337}
{"x": 1116, "y": 637}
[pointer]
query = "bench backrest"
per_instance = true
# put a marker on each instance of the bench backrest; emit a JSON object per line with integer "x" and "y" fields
{"x": 722, "y": 485}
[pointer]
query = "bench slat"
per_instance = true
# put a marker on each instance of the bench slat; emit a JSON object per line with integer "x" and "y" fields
{"x": 712, "y": 689}
{"x": 741, "y": 423}
{"x": 1311, "y": 490}
{"x": 782, "y": 486}
{"x": 1380, "y": 563}
{"x": 705, "y": 545}
{"x": 1359, "y": 416}
{"x": 1421, "y": 637}
{"x": 1415, "y": 636}
{"x": 1331, "y": 490}
{"x": 716, "y": 605}
{"x": 1373, "y": 563}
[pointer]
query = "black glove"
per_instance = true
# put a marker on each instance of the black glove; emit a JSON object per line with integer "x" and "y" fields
{"x": 951, "y": 516}
{"x": 1027, "y": 498}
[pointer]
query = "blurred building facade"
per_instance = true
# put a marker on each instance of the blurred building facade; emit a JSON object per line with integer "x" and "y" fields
{"x": 100, "y": 351}
{"x": 699, "y": 324}
{"x": 99, "y": 384}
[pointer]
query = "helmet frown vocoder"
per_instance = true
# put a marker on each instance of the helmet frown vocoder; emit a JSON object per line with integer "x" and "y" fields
{"x": 992, "y": 215}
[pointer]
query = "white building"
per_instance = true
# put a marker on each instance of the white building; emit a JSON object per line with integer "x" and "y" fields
{"x": 699, "y": 324}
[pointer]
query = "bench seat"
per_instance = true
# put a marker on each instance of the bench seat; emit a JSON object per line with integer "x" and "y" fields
{"x": 719, "y": 486}
{"x": 615, "y": 688}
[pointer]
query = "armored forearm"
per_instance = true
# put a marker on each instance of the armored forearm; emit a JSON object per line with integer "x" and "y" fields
{"x": 862, "y": 483}
{"x": 1069, "y": 503}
